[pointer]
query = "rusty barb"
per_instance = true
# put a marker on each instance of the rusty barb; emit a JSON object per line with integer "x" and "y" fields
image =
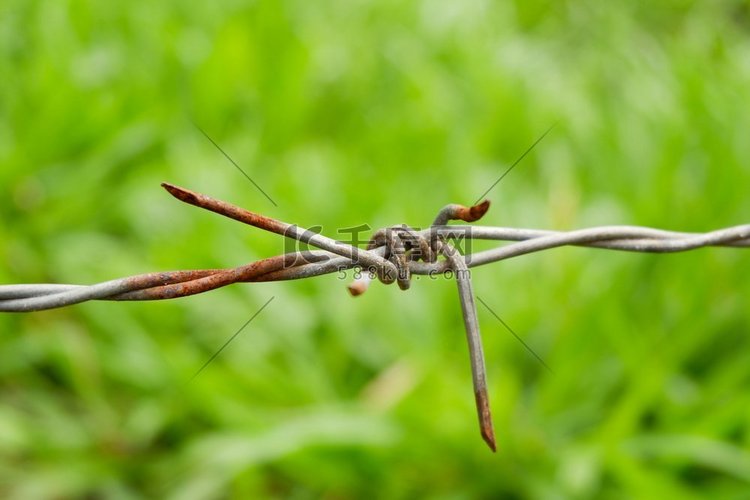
{"x": 393, "y": 254}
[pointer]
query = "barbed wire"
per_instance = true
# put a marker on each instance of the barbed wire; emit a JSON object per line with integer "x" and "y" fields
{"x": 336, "y": 256}
{"x": 393, "y": 254}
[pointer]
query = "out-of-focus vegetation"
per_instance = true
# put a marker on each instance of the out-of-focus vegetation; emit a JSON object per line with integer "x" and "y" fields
{"x": 380, "y": 113}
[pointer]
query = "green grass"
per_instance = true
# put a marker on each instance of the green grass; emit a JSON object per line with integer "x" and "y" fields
{"x": 374, "y": 112}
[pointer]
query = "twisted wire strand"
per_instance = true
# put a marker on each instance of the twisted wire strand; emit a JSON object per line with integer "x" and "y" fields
{"x": 300, "y": 265}
{"x": 392, "y": 255}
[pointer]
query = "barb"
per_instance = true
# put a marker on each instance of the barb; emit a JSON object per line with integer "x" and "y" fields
{"x": 393, "y": 255}
{"x": 474, "y": 339}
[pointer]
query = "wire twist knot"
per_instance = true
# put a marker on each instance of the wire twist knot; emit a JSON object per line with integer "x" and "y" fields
{"x": 403, "y": 246}
{"x": 393, "y": 254}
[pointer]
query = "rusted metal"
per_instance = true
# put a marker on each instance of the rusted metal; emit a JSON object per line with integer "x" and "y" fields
{"x": 359, "y": 286}
{"x": 216, "y": 279}
{"x": 474, "y": 339}
{"x": 460, "y": 212}
{"x": 393, "y": 254}
{"x": 384, "y": 267}
{"x": 396, "y": 241}
{"x": 423, "y": 245}
{"x": 226, "y": 209}
{"x": 486, "y": 429}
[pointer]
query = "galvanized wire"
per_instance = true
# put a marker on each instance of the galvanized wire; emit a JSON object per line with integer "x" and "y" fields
{"x": 393, "y": 255}
{"x": 299, "y": 265}
{"x": 174, "y": 284}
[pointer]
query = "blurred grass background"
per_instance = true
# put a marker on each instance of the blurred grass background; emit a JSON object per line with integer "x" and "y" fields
{"x": 380, "y": 113}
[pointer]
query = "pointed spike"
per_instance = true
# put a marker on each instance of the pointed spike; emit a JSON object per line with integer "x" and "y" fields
{"x": 485, "y": 419}
{"x": 477, "y": 211}
{"x": 176, "y": 191}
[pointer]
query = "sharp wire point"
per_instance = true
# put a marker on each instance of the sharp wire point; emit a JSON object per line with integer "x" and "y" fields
{"x": 489, "y": 438}
{"x": 474, "y": 340}
{"x": 214, "y": 356}
{"x": 507, "y": 171}
{"x": 385, "y": 259}
{"x": 234, "y": 163}
{"x": 528, "y": 348}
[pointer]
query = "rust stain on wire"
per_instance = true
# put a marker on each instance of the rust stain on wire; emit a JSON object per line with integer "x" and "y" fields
{"x": 394, "y": 254}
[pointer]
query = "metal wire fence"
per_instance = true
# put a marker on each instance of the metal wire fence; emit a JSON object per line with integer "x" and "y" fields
{"x": 392, "y": 255}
